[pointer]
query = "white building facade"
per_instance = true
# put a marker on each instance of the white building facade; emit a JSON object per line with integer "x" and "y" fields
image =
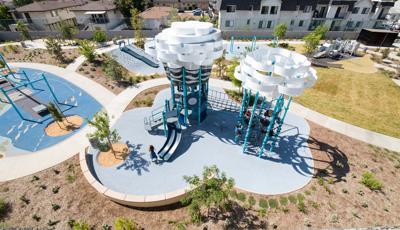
{"x": 302, "y": 15}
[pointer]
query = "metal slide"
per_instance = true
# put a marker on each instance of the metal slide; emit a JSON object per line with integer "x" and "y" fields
{"x": 171, "y": 144}
{"x": 131, "y": 51}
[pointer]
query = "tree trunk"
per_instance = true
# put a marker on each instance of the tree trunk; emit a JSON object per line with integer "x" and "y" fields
{"x": 111, "y": 147}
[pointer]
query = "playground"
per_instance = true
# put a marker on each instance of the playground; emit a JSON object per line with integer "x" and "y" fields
{"x": 25, "y": 94}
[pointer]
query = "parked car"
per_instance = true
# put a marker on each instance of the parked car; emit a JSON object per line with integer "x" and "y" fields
{"x": 197, "y": 12}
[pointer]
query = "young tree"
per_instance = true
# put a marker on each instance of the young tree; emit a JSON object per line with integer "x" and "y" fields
{"x": 21, "y": 27}
{"x": 280, "y": 31}
{"x": 87, "y": 50}
{"x": 55, "y": 113}
{"x": 99, "y": 36}
{"x": 211, "y": 191}
{"x": 5, "y": 17}
{"x": 313, "y": 38}
{"x": 230, "y": 73}
{"x": 125, "y": 6}
{"x": 103, "y": 131}
{"x": 113, "y": 69}
{"x": 221, "y": 65}
{"x": 137, "y": 25}
{"x": 54, "y": 48}
{"x": 173, "y": 16}
{"x": 67, "y": 31}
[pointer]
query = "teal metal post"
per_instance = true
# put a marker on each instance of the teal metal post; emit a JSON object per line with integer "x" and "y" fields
{"x": 172, "y": 93}
{"x": 262, "y": 106}
{"x": 253, "y": 44}
{"x": 164, "y": 123}
{"x": 51, "y": 90}
{"x": 250, "y": 122}
{"x": 243, "y": 104}
{"x": 12, "y": 104}
{"x": 277, "y": 107}
{"x": 278, "y": 130}
{"x": 199, "y": 101}
{"x": 184, "y": 95}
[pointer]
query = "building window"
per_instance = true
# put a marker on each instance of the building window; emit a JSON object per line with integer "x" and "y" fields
{"x": 231, "y": 8}
{"x": 365, "y": 11}
{"x": 260, "y": 24}
{"x": 307, "y": 9}
{"x": 269, "y": 24}
{"x": 292, "y": 22}
{"x": 355, "y": 10}
{"x": 301, "y": 23}
{"x": 349, "y": 24}
{"x": 274, "y": 10}
{"x": 248, "y": 22}
{"x": 264, "y": 10}
{"x": 229, "y": 23}
{"x": 359, "y": 24}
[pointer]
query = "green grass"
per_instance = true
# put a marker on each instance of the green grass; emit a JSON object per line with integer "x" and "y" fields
{"x": 369, "y": 180}
{"x": 263, "y": 203}
{"x": 370, "y": 101}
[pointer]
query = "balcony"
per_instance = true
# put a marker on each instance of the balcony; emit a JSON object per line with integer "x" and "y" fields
{"x": 341, "y": 15}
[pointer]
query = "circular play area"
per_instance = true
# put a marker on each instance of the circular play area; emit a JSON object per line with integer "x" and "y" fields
{"x": 27, "y": 123}
{"x": 195, "y": 123}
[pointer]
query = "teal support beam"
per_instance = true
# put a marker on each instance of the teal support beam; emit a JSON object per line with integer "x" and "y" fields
{"x": 12, "y": 104}
{"x": 199, "y": 101}
{"x": 231, "y": 46}
{"x": 253, "y": 111}
{"x": 51, "y": 90}
{"x": 243, "y": 104}
{"x": 278, "y": 130}
{"x": 172, "y": 93}
{"x": 262, "y": 106}
{"x": 277, "y": 109}
{"x": 164, "y": 123}
{"x": 184, "y": 95}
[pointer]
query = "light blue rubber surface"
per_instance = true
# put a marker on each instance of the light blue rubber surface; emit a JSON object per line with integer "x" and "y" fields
{"x": 290, "y": 168}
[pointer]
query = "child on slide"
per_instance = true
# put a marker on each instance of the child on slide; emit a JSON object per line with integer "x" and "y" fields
{"x": 153, "y": 155}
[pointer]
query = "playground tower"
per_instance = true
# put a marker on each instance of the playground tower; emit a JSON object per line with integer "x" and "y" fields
{"x": 270, "y": 78}
{"x": 187, "y": 51}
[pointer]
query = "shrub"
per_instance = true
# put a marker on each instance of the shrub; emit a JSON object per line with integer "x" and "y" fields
{"x": 113, "y": 69}
{"x": 81, "y": 225}
{"x": 273, "y": 203}
{"x": 55, "y": 207}
{"x": 301, "y": 206}
{"x": 4, "y": 208}
{"x": 283, "y": 200}
{"x": 251, "y": 201}
{"x": 262, "y": 212}
{"x": 24, "y": 199}
{"x": 263, "y": 203}
{"x": 70, "y": 178}
{"x": 35, "y": 178}
{"x": 99, "y": 36}
{"x": 369, "y": 180}
{"x": 241, "y": 196}
{"x": 292, "y": 199}
{"x": 71, "y": 223}
{"x": 52, "y": 223}
{"x": 87, "y": 49}
{"x": 36, "y": 217}
{"x": 55, "y": 189}
{"x": 125, "y": 224}
{"x": 385, "y": 53}
{"x": 53, "y": 46}
{"x": 300, "y": 197}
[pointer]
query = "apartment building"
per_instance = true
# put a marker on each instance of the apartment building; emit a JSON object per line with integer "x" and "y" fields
{"x": 182, "y": 4}
{"x": 301, "y": 15}
{"x": 47, "y": 15}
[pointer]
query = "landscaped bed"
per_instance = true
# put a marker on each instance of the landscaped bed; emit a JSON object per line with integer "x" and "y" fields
{"x": 335, "y": 198}
{"x": 145, "y": 98}
{"x": 16, "y": 53}
{"x": 96, "y": 71}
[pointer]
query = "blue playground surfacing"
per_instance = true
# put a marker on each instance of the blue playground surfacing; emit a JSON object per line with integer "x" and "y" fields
{"x": 27, "y": 136}
{"x": 289, "y": 168}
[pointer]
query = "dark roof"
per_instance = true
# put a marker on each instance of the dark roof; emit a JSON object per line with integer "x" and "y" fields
{"x": 49, "y": 5}
{"x": 95, "y": 6}
{"x": 241, "y": 4}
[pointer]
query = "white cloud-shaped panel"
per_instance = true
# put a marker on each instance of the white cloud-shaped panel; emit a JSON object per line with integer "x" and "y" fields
{"x": 273, "y": 71}
{"x": 187, "y": 44}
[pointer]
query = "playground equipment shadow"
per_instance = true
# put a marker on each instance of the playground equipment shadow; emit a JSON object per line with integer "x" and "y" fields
{"x": 30, "y": 136}
{"x": 289, "y": 168}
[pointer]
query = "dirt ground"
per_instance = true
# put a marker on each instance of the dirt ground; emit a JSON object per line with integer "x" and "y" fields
{"x": 19, "y": 54}
{"x": 95, "y": 72}
{"x": 335, "y": 198}
{"x": 56, "y": 129}
{"x": 145, "y": 98}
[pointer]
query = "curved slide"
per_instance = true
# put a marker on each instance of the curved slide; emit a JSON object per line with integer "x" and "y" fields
{"x": 141, "y": 57}
{"x": 171, "y": 144}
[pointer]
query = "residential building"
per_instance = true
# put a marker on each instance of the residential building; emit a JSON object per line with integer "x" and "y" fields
{"x": 98, "y": 15}
{"x": 47, "y": 15}
{"x": 156, "y": 17}
{"x": 301, "y": 15}
{"x": 182, "y": 4}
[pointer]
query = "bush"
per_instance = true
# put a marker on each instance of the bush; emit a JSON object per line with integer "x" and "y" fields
{"x": 292, "y": 199}
{"x": 113, "y": 69}
{"x": 99, "y": 36}
{"x": 385, "y": 53}
{"x": 302, "y": 207}
{"x": 273, "y": 203}
{"x": 4, "y": 208}
{"x": 368, "y": 179}
{"x": 87, "y": 49}
{"x": 125, "y": 224}
{"x": 241, "y": 197}
{"x": 251, "y": 201}
{"x": 300, "y": 197}
{"x": 283, "y": 201}
{"x": 81, "y": 225}
{"x": 263, "y": 203}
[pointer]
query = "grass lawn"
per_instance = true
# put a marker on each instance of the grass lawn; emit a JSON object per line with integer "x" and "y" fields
{"x": 370, "y": 101}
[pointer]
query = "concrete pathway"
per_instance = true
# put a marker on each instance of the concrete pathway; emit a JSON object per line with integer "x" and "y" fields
{"x": 19, "y": 166}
